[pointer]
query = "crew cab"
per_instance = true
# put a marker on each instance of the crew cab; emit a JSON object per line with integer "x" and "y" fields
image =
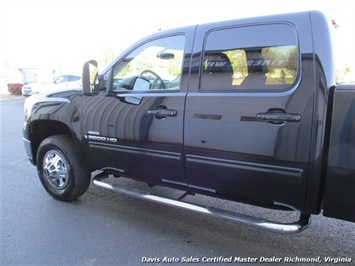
{"x": 245, "y": 110}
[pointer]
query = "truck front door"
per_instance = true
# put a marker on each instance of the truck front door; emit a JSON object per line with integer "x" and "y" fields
{"x": 248, "y": 116}
{"x": 137, "y": 129}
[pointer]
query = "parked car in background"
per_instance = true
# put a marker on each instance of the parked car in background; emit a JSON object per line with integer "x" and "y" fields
{"x": 58, "y": 83}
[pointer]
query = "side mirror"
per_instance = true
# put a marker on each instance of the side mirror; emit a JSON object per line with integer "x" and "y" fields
{"x": 89, "y": 77}
{"x": 140, "y": 84}
{"x": 134, "y": 100}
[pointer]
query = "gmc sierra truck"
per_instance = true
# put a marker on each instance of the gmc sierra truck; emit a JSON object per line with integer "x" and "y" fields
{"x": 245, "y": 110}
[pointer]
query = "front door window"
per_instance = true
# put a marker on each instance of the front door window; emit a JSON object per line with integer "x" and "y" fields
{"x": 156, "y": 65}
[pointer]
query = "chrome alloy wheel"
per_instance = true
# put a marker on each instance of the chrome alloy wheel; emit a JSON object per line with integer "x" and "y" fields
{"x": 55, "y": 169}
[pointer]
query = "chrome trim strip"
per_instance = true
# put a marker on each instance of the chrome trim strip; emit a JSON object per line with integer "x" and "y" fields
{"x": 174, "y": 182}
{"x": 295, "y": 173}
{"x": 112, "y": 169}
{"x": 134, "y": 150}
{"x": 203, "y": 188}
{"x": 283, "y": 228}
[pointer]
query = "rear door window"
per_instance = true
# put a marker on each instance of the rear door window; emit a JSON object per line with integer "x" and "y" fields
{"x": 253, "y": 58}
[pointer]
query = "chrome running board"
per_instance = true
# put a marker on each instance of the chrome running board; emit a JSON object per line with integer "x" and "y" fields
{"x": 284, "y": 228}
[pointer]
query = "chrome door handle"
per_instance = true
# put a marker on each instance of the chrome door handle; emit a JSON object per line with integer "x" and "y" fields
{"x": 279, "y": 117}
{"x": 163, "y": 112}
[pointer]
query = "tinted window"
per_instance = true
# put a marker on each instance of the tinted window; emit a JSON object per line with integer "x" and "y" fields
{"x": 156, "y": 65}
{"x": 250, "y": 58}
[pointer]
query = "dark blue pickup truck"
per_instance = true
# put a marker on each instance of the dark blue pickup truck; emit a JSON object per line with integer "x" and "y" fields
{"x": 244, "y": 110}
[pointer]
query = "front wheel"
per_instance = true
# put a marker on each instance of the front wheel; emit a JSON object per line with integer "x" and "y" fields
{"x": 61, "y": 168}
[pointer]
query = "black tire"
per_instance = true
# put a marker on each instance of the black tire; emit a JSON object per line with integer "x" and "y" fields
{"x": 62, "y": 169}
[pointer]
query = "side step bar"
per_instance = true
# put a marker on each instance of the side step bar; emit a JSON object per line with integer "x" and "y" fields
{"x": 284, "y": 228}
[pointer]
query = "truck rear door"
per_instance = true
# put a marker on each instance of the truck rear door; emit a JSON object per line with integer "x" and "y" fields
{"x": 248, "y": 120}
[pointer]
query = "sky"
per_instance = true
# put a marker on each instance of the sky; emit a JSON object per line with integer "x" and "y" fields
{"x": 49, "y": 33}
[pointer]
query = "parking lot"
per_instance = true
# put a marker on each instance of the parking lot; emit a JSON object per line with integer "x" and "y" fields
{"x": 103, "y": 228}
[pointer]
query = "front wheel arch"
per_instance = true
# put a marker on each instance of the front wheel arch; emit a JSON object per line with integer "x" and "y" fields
{"x": 42, "y": 129}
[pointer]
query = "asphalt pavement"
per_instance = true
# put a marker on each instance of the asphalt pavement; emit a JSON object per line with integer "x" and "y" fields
{"x": 105, "y": 228}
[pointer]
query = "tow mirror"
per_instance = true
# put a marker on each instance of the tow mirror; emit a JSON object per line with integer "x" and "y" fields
{"x": 89, "y": 78}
